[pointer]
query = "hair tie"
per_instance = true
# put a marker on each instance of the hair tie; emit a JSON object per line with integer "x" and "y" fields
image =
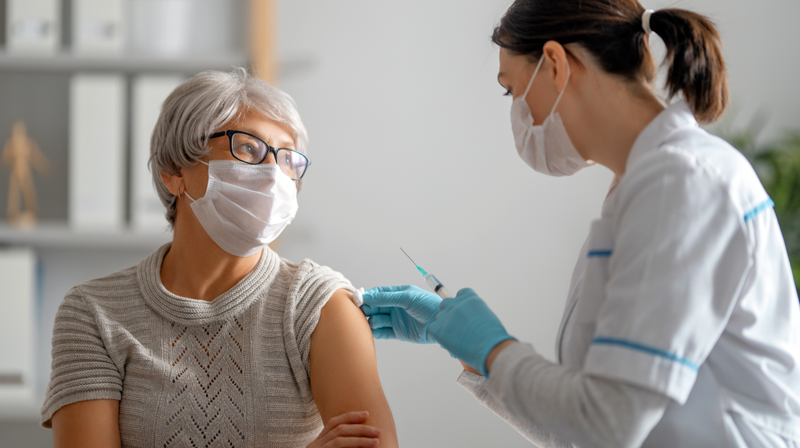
{"x": 646, "y": 21}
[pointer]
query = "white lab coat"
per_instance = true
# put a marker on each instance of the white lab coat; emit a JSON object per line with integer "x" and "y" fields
{"x": 684, "y": 290}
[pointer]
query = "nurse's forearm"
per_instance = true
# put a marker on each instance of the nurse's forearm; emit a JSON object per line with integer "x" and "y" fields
{"x": 587, "y": 410}
{"x": 476, "y": 385}
{"x": 469, "y": 369}
{"x": 489, "y": 359}
{"x": 496, "y": 351}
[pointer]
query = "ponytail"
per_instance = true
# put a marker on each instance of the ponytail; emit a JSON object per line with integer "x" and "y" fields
{"x": 694, "y": 58}
{"x": 612, "y": 31}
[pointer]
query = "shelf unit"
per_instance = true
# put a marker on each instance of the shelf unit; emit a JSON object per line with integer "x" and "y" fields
{"x": 67, "y": 256}
{"x": 61, "y": 236}
{"x": 66, "y": 62}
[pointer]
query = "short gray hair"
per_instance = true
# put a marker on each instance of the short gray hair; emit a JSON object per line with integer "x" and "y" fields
{"x": 201, "y": 105}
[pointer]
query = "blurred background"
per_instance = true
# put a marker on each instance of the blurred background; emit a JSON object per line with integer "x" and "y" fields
{"x": 411, "y": 146}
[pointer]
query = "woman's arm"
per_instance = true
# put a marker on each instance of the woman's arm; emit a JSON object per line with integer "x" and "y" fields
{"x": 93, "y": 423}
{"x": 344, "y": 372}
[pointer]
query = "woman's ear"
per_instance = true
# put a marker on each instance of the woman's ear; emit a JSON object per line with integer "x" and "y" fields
{"x": 557, "y": 64}
{"x": 174, "y": 183}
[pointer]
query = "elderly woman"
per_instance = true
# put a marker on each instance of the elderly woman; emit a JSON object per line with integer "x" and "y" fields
{"x": 214, "y": 340}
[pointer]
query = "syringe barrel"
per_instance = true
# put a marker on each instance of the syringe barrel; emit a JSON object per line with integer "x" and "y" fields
{"x": 437, "y": 286}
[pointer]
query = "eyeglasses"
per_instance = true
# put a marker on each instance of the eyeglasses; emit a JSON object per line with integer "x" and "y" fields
{"x": 252, "y": 150}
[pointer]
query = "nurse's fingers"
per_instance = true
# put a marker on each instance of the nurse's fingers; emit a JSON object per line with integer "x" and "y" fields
{"x": 380, "y": 321}
{"x": 383, "y": 333}
{"x": 388, "y": 289}
{"x": 372, "y": 310}
{"x": 396, "y": 298}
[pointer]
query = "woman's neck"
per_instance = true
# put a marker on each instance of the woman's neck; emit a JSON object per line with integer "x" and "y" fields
{"x": 612, "y": 121}
{"x": 196, "y": 267}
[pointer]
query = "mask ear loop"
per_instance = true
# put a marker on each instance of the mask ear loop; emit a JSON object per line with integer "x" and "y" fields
{"x": 530, "y": 83}
{"x": 186, "y": 192}
{"x": 558, "y": 100}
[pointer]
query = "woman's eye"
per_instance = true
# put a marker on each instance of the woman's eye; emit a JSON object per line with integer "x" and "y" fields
{"x": 245, "y": 149}
{"x": 508, "y": 92}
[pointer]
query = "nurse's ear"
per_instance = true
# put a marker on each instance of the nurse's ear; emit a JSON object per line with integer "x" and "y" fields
{"x": 555, "y": 64}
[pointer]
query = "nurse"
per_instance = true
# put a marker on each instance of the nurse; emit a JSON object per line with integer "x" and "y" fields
{"x": 682, "y": 325}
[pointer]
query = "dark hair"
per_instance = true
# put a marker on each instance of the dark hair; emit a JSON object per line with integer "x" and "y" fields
{"x": 611, "y": 30}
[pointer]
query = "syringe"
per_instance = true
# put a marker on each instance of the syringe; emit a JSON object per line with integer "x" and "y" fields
{"x": 432, "y": 281}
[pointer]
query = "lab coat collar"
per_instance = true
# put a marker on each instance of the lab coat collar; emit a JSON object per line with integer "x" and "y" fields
{"x": 672, "y": 119}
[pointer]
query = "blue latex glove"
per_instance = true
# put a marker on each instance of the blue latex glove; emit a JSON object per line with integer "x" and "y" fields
{"x": 468, "y": 329}
{"x": 400, "y": 312}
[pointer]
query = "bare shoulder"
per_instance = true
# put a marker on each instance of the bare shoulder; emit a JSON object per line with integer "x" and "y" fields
{"x": 341, "y": 315}
{"x": 344, "y": 372}
{"x": 342, "y": 333}
{"x": 87, "y": 423}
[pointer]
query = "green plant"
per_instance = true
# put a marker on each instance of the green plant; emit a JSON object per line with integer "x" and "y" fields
{"x": 778, "y": 167}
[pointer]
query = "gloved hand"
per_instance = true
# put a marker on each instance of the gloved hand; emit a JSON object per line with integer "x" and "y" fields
{"x": 400, "y": 312}
{"x": 468, "y": 329}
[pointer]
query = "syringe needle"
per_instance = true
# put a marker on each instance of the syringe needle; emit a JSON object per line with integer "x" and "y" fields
{"x": 431, "y": 280}
{"x": 421, "y": 271}
{"x": 409, "y": 257}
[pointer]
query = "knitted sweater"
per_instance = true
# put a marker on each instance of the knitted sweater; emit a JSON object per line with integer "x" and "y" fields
{"x": 232, "y": 372}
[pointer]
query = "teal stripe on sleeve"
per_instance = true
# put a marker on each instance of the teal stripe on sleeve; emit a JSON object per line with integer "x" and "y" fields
{"x": 760, "y": 208}
{"x": 599, "y": 253}
{"x": 647, "y": 349}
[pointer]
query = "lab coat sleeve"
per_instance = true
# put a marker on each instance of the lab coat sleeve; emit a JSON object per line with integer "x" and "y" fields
{"x": 586, "y": 410}
{"x": 476, "y": 385}
{"x": 680, "y": 259}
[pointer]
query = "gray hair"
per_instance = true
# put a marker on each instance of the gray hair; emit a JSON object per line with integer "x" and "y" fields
{"x": 201, "y": 105}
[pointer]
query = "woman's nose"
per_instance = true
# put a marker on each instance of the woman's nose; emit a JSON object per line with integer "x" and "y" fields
{"x": 270, "y": 158}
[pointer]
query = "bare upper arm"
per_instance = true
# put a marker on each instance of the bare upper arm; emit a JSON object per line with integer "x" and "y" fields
{"x": 92, "y": 423}
{"x": 344, "y": 371}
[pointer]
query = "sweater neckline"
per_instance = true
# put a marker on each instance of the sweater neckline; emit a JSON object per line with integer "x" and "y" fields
{"x": 191, "y": 312}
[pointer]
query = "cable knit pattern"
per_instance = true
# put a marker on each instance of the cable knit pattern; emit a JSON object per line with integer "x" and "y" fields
{"x": 233, "y": 372}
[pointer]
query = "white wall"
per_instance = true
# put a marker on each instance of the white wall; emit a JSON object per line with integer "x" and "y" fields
{"x": 411, "y": 146}
{"x": 760, "y": 45}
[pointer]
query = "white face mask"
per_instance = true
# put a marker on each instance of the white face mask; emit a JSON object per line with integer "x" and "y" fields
{"x": 245, "y": 206}
{"x": 546, "y": 147}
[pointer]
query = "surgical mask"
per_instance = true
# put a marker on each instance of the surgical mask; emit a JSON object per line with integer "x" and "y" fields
{"x": 245, "y": 206}
{"x": 546, "y": 147}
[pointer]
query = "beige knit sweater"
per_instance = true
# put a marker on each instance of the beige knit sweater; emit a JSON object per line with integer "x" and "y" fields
{"x": 233, "y": 372}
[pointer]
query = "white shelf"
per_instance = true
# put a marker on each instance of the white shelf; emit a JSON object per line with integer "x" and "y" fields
{"x": 67, "y": 62}
{"x": 58, "y": 235}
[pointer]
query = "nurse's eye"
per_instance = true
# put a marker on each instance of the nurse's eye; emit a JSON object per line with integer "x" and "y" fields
{"x": 508, "y": 92}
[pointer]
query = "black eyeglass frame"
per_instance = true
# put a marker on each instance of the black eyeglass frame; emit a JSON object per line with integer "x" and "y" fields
{"x": 270, "y": 149}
